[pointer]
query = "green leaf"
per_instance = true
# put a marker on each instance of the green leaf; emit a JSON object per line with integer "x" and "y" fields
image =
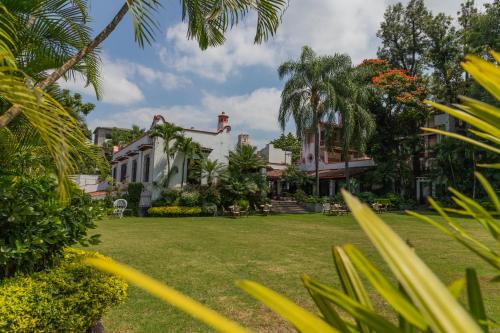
{"x": 351, "y": 283}
{"x": 489, "y": 190}
{"x": 475, "y": 299}
{"x": 389, "y": 292}
{"x": 303, "y": 320}
{"x": 463, "y": 138}
{"x": 430, "y": 296}
{"x": 359, "y": 311}
{"x": 468, "y": 241}
{"x": 330, "y": 315}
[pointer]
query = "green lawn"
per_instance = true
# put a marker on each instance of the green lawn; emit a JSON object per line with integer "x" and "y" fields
{"x": 202, "y": 257}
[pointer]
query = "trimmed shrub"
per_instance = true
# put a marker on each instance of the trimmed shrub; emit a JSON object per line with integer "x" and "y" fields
{"x": 173, "y": 211}
{"x": 189, "y": 199}
{"x": 134, "y": 197}
{"x": 35, "y": 226}
{"x": 66, "y": 298}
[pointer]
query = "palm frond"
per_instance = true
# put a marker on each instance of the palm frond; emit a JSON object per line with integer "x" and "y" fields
{"x": 65, "y": 142}
{"x": 209, "y": 20}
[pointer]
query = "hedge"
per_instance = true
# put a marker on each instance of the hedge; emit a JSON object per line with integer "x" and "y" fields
{"x": 67, "y": 298}
{"x": 172, "y": 211}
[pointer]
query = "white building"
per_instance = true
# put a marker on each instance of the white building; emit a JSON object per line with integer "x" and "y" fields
{"x": 144, "y": 160}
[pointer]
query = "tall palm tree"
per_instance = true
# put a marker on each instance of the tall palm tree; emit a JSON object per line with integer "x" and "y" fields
{"x": 211, "y": 169}
{"x": 357, "y": 123}
{"x": 168, "y": 132}
{"x": 309, "y": 95}
{"x": 207, "y": 22}
{"x": 189, "y": 150}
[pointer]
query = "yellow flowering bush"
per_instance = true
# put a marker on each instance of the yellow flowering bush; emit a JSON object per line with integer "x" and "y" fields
{"x": 66, "y": 298}
{"x": 173, "y": 211}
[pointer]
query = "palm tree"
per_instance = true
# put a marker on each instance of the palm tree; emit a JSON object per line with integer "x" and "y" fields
{"x": 207, "y": 22}
{"x": 244, "y": 159}
{"x": 211, "y": 169}
{"x": 357, "y": 123}
{"x": 168, "y": 132}
{"x": 64, "y": 140}
{"x": 189, "y": 149}
{"x": 310, "y": 94}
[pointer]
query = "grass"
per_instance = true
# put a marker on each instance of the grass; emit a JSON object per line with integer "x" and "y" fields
{"x": 203, "y": 257}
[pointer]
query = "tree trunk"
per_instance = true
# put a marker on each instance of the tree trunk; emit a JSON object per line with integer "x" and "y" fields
{"x": 15, "y": 110}
{"x": 97, "y": 327}
{"x": 347, "y": 179}
{"x": 316, "y": 159}
{"x": 183, "y": 171}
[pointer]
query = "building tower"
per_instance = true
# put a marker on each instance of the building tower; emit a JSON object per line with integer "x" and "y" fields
{"x": 223, "y": 121}
{"x": 243, "y": 139}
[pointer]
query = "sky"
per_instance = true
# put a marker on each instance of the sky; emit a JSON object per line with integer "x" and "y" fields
{"x": 190, "y": 87}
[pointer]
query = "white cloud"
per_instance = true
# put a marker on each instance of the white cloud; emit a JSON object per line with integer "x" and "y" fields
{"x": 117, "y": 85}
{"x": 327, "y": 26}
{"x": 215, "y": 63}
{"x": 120, "y": 84}
{"x": 256, "y": 111}
{"x": 167, "y": 80}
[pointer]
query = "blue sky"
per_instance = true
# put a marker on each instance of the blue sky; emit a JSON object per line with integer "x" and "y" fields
{"x": 190, "y": 87}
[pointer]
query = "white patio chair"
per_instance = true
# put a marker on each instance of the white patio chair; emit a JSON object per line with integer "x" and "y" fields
{"x": 119, "y": 207}
{"x": 326, "y": 208}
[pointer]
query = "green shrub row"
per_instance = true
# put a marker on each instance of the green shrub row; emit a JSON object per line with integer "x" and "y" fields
{"x": 66, "y": 298}
{"x": 172, "y": 211}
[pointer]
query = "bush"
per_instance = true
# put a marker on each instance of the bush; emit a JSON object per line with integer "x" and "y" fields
{"x": 395, "y": 199}
{"x": 243, "y": 204}
{"x": 134, "y": 197}
{"x": 67, "y": 298}
{"x": 209, "y": 209}
{"x": 338, "y": 199}
{"x": 170, "y": 197}
{"x": 189, "y": 199}
{"x": 300, "y": 196}
{"x": 367, "y": 197}
{"x": 35, "y": 226}
{"x": 210, "y": 195}
{"x": 173, "y": 211}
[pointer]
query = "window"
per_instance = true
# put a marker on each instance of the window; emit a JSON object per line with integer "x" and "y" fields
{"x": 114, "y": 173}
{"x": 146, "y": 168}
{"x": 134, "y": 170}
{"x": 123, "y": 173}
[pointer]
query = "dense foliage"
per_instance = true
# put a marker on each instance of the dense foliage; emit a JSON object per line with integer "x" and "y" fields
{"x": 35, "y": 226}
{"x": 243, "y": 178}
{"x": 68, "y": 298}
{"x": 133, "y": 196}
{"x": 454, "y": 164}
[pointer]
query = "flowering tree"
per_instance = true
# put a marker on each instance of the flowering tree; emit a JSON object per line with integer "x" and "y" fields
{"x": 399, "y": 111}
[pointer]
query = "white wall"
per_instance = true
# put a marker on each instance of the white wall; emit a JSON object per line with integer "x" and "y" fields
{"x": 88, "y": 183}
{"x": 220, "y": 143}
